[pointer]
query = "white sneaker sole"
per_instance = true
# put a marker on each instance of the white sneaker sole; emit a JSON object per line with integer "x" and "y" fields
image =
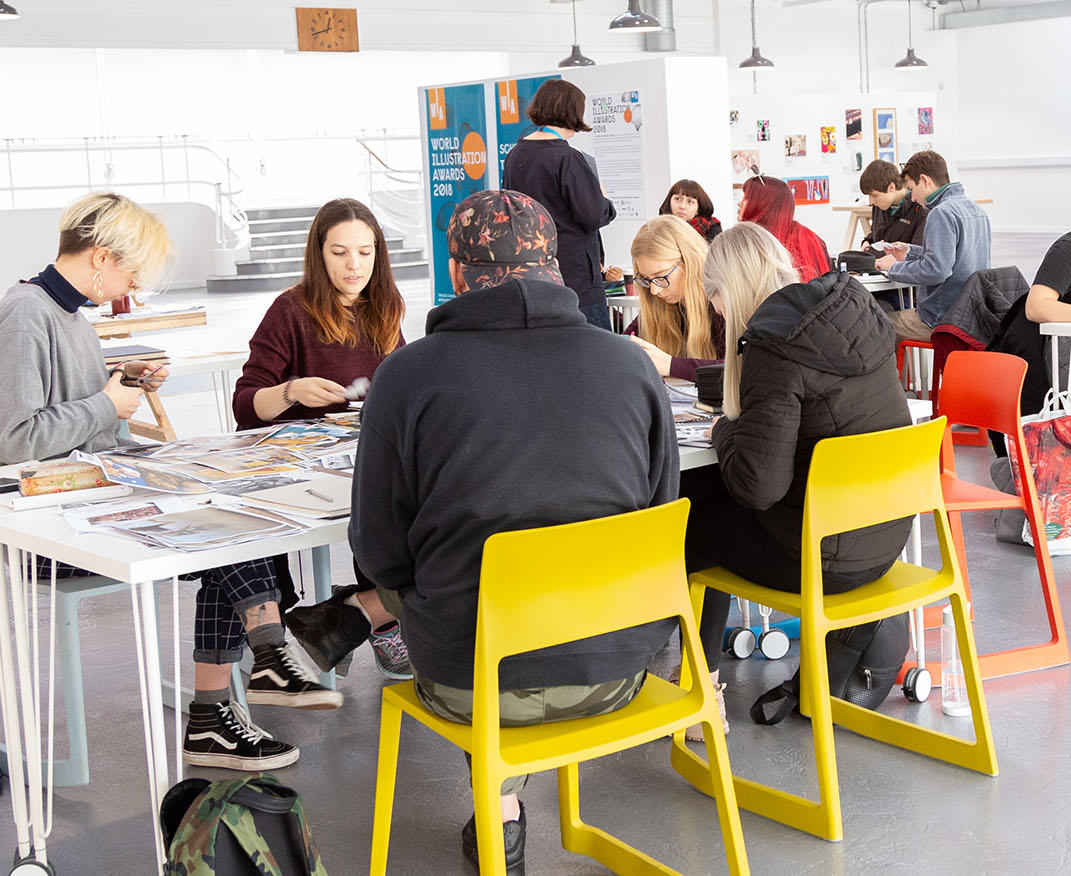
{"x": 245, "y": 764}
{"x": 319, "y": 699}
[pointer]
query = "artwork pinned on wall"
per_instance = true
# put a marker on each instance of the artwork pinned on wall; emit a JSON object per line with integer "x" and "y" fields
{"x": 809, "y": 189}
{"x": 734, "y": 117}
{"x": 925, "y": 120}
{"x": 745, "y": 163}
{"x": 762, "y": 130}
{"x": 795, "y": 145}
{"x": 829, "y": 138}
{"x": 885, "y": 134}
{"x": 853, "y": 124}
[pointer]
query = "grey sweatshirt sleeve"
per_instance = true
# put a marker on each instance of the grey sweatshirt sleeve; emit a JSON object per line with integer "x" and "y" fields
{"x": 29, "y": 427}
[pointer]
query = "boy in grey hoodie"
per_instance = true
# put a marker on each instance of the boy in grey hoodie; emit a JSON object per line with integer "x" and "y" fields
{"x": 956, "y": 244}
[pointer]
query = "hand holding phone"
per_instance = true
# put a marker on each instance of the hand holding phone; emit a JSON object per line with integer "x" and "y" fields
{"x": 143, "y": 375}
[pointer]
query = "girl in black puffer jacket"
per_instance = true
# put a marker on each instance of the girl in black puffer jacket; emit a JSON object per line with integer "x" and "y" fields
{"x": 814, "y": 360}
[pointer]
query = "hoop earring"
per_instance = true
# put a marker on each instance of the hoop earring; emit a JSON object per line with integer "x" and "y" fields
{"x": 98, "y": 285}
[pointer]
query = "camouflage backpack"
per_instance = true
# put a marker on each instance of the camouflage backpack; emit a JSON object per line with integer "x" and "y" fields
{"x": 248, "y": 826}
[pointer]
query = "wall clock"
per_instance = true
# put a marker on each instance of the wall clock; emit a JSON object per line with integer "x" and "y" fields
{"x": 327, "y": 30}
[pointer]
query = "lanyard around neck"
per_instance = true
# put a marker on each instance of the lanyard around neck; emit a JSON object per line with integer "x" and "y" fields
{"x": 552, "y": 131}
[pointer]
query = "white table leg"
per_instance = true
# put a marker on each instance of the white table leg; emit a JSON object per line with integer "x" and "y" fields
{"x": 321, "y": 585}
{"x": 10, "y": 707}
{"x": 146, "y": 644}
{"x": 31, "y": 723}
{"x": 228, "y": 411}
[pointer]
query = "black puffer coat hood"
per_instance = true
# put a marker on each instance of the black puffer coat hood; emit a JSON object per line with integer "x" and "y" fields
{"x": 817, "y": 363}
{"x": 830, "y": 325}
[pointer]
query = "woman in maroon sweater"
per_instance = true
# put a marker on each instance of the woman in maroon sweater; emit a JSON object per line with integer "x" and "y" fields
{"x": 677, "y": 327}
{"x": 332, "y": 328}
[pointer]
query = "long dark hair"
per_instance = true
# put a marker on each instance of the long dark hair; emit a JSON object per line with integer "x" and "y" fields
{"x": 690, "y": 189}
{"x": 377, "y": 313}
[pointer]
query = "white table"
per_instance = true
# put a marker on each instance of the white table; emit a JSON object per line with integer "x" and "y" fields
{"x": 219, "y": 366}
{"x": 1057, "y": 330}
{"x": 696, "y": 457}
{"x": 44, "y": 532}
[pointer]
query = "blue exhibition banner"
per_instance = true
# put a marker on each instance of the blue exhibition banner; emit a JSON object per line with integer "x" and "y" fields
{"x": 457, "y": 167}
{"x": 512, "y": 98}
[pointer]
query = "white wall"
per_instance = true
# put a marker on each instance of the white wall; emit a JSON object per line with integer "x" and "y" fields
{"x": 806, "y": 114}
{"x": 30, "y": 238}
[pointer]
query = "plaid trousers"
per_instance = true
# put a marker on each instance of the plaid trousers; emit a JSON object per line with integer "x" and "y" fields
{"x": 226, "y": 591}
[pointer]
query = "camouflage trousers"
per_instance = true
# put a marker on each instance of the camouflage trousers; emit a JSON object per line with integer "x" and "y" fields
{"x": 519, "y": 708}
{"x": 541, "y": 705}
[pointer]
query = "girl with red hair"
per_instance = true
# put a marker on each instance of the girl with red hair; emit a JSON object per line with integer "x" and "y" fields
{"x": 768, "y": 202}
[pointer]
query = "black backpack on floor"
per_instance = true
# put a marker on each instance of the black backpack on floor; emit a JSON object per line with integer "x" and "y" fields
{"x": 245, "y": 826}
{"x": 864, "y": 661}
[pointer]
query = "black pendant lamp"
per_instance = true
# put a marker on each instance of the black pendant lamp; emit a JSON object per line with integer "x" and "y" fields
{"x": 575, "y": 59}
{"x": 7, "y": 11}
{"x": 910, "y": 61}
{"x": 756, "y": 61}
{"x": 635, "y": 20}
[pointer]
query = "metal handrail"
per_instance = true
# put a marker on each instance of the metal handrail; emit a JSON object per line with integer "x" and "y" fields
{"x": 231, "y": 221}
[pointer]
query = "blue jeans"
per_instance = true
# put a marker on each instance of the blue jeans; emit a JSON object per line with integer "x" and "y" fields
{"x": 598, "y": 314}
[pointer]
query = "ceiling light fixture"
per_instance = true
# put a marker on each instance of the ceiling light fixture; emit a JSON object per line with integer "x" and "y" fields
{"x": 576, "y": 58}
{"x": 635, "y": 20}
{"x": 7, "y": 12}
{"x": 910, "y": 61}
{"x": 756, "y": 61}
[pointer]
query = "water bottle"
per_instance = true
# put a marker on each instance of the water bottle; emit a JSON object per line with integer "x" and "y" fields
{"x": 953, "y": 685}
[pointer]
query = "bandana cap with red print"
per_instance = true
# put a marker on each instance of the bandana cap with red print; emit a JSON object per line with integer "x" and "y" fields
{"x": 494, "y": 235}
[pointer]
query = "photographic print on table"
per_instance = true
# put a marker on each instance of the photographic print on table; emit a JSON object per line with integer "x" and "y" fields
{"x": 853, "y": 124}
{"x": 829, "y": 138}
{"x": 885, "y": 134}
{"x": 762, "y": 130}
{"x": 925, "y": 120}
{"x": 795, "y": 145}
{"x": 734, "y": 117}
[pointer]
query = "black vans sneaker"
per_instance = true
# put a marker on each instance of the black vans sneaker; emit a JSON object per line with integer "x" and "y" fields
{"x": 279, "y": 678}
{"x": 221, "y": 735}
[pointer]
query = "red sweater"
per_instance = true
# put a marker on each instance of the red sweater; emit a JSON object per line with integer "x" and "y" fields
{"x": 284, "y": 346}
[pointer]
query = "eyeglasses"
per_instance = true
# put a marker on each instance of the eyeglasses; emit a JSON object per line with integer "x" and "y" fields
{"x": 661, "y": 282}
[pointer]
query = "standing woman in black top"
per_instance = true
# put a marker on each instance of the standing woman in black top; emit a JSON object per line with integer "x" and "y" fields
{"x": 545, "y": 167}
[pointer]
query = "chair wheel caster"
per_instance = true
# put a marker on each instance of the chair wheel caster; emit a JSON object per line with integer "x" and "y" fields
{"x": 28, "y": 867}
{"x": 741, "y": 642}
{"x": 917, "y": 684}
{"x": 773, "y": 644}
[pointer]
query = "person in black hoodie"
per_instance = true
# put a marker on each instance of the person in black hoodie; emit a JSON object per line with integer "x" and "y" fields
{"x": 814, "y": 360}
{"x": 512, "y": 413}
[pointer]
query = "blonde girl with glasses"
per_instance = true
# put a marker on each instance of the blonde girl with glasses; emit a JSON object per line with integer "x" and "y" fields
{"x": 677, "y": 326}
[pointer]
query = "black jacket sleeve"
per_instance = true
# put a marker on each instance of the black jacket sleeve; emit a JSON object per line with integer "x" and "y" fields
{"x": 756, "y": 453}
{"x": 581, "y": 190}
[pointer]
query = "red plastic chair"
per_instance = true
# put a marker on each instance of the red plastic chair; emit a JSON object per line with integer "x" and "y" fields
{"x": 982, "y": 389}
{"x": 943, "y": 344}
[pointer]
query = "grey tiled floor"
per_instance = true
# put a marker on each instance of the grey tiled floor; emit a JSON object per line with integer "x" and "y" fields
{"x": 903, "y": 813}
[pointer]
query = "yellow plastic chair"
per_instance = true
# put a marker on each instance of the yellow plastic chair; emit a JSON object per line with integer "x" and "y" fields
{"x": 853, "y": 482}
{"x": 542, "y": 587}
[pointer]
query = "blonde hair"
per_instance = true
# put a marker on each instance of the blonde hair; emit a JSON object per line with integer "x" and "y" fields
{"x": 671, "y": 239}
{"x": 744, "y": 267}
{"x": 136, "y": 238}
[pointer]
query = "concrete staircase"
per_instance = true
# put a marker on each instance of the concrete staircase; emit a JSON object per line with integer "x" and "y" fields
{"x": 277, "y": 253}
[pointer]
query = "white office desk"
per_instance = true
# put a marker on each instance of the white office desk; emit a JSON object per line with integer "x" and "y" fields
{"x": 44, "y": 532}
{"x": 696, "y": 457}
